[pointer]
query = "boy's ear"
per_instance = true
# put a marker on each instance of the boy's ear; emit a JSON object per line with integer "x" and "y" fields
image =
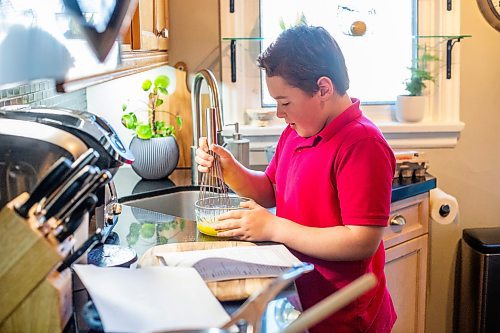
{"x": 326, "y": 87}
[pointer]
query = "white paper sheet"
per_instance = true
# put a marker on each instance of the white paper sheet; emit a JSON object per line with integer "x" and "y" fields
{"x": 151, "y": 298}
{"x": 233, "y": 262}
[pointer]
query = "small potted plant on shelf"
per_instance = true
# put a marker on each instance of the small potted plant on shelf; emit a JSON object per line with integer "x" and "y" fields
{"x": 411, "y": 107}
{"x": 153, "y": 145}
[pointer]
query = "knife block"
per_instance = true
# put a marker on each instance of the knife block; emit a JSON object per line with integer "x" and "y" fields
{"x": 26, "y": 258}
{"x": 46, "y": 309}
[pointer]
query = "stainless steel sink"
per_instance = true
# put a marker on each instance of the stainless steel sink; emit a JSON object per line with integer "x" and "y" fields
{"x": 177, "y": 201}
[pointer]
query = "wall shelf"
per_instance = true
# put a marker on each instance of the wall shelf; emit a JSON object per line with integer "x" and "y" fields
{"x": 450, "y": 42}
{"x": 233, "y": 40}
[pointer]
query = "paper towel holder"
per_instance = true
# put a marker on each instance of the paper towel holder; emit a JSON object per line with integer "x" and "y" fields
{"x": 444, "y": 210}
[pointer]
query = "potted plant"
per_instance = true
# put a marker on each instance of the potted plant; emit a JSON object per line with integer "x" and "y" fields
{"x": 153, "y": 145}
{"x": 411, "y": 107}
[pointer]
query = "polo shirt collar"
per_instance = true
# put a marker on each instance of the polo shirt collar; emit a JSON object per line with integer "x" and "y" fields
{"x": 348, "y": 115}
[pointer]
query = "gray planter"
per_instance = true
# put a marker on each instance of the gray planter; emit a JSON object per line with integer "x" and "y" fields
{"x": 155, "y": 158}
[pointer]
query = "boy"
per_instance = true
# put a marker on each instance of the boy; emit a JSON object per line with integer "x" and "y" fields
{"x": 330, "y": 180}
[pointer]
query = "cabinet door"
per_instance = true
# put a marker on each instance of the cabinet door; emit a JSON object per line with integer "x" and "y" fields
{"x": 406, "y": 273}
{"x": 149, "y": 28}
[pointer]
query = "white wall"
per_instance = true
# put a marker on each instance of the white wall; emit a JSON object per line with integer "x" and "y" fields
{"x": 471, "y": 171}
{"x": 106, "y": 99}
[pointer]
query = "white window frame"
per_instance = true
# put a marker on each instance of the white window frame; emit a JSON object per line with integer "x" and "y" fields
{"x": 440, "y": 127}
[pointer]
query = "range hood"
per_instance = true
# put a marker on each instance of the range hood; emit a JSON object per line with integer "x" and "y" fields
{"x": 64, "y": 40}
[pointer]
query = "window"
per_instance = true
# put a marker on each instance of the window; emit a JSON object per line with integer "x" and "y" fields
{"x": 377, "y": 61}
{"x": 377, "y": 44}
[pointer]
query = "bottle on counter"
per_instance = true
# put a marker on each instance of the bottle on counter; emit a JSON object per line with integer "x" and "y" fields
{"x": 238, "y": 146}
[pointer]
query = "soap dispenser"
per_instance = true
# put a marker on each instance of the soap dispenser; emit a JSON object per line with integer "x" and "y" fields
{"x": 239, "y": 147}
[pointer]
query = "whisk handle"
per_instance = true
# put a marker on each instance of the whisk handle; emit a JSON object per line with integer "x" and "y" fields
{"x": 211, "y": 117}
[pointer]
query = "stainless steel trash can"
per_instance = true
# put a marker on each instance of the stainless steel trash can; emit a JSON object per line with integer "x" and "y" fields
{"x": 479, "y": 300}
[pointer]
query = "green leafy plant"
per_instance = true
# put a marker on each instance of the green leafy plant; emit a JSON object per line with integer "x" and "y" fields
{"x": 420, "y": 72}
{"x": 153, "y": 128}
{"x": 300, "y": 20}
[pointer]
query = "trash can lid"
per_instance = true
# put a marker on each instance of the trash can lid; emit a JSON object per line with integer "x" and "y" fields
{"x": 485, "y": 240}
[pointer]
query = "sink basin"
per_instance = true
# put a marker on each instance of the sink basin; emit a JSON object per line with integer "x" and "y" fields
{"x": 176, "y": 201}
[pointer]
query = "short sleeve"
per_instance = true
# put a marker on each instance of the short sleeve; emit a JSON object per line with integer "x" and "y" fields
{"x": 363, "y": 176}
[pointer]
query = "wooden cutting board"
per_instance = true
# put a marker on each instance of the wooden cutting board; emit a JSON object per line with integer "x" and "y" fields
{"x": 224, "y": 290}
{"x": 179, "y": 103}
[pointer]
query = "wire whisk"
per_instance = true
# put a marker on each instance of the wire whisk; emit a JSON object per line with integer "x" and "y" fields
{"x": 213, "y": 199}
{"x": 213, "y": 189}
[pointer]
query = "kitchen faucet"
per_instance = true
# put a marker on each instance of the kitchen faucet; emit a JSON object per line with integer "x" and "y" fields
{"x": 209, "y": 78}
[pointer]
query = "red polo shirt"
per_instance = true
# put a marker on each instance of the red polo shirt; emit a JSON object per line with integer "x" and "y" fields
{"x": 340, "y": 176}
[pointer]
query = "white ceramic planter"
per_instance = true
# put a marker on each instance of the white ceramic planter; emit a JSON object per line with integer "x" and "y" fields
{"x": 410, "y": 108}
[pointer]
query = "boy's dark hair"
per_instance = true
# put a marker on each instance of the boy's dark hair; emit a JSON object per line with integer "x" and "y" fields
{"x": 303, "y": 54}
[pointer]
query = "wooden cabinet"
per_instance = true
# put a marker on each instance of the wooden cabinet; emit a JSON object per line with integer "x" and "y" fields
{"x": 406, "y": 242}
{"x": 149, "y": 28}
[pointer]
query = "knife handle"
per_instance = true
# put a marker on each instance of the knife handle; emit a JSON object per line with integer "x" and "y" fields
{"x": 76, "y": 218}
{"x": 97, "y": 182}
{"x": 87, "y": 158}
{"x": 87, "y": 245}
{"x": 46, "y": 186}
{"x": 69, "y": 190}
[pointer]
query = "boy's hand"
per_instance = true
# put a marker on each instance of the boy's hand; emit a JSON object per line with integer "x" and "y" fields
{"x": 205, "y": 160}
{"x": 254, "y": 223}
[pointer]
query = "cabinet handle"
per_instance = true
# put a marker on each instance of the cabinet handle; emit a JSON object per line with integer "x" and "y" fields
{"x": 398, "y": 220}
{"x": 162, "y": 33}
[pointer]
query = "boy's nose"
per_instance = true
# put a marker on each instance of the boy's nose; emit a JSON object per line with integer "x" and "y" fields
{"x": 279, "y": 113}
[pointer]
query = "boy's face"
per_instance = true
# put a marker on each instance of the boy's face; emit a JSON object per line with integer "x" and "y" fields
{"x": 299, "y": 109}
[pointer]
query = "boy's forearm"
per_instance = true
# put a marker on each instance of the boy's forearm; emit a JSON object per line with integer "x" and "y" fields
{"x": 251, "y": 184}
{"x": 341, "y": 243}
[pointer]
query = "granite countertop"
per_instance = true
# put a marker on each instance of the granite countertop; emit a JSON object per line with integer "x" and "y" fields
{"x": 403, "y": 188}
{"x": 129, "y": 185}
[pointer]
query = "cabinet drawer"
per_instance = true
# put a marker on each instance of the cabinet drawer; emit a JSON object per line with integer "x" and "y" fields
{"x": 409, "y": 219}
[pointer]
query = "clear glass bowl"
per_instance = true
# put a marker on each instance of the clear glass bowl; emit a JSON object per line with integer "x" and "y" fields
{"x": 207, "y": 211}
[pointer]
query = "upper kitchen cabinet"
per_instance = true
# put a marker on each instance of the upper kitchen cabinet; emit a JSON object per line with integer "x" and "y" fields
{"x": 148, "y": 30}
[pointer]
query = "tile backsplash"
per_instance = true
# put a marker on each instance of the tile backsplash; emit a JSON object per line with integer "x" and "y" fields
{"x": 43, "y": 93}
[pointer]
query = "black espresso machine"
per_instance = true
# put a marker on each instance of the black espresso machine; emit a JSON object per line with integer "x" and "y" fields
{"x": 33, "y": 139}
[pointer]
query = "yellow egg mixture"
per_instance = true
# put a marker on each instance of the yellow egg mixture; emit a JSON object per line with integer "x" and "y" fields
{"x": 207, "y": 229}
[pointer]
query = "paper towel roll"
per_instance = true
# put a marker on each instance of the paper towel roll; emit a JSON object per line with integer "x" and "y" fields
{"x": 443, "y": 207}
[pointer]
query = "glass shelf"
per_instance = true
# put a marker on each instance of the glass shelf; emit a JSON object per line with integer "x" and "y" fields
{"x": 444, "y": 36}
{"x": 233, "y": 51}
{"x": 241, "y": 38}
{"x": 451, "y": 40}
